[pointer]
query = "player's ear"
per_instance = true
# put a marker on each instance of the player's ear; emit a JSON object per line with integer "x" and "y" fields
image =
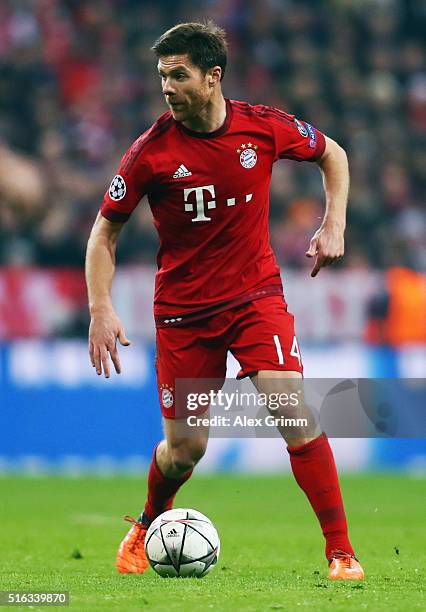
{"x": 214, "y": 74}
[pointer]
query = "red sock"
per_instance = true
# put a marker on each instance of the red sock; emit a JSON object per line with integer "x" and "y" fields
{"x": 315, "y": 472}
{"x": 161, "y": 490}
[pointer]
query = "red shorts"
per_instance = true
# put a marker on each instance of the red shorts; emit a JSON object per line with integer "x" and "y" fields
{"x": 260, "y": 335}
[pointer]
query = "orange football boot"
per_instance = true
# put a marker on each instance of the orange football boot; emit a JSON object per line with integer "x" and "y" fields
{"x": 131, "y": 557}
{"x": 344, "y": 566}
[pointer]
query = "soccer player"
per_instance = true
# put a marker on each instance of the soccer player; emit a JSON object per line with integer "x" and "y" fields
{"x": 205, "y": 166}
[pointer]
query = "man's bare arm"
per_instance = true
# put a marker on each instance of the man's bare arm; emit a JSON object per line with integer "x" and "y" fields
{"x": 327, "y": 244}
{"x": 105, "y": 326}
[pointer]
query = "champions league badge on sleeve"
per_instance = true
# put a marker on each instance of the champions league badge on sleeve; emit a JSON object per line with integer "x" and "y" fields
{"x": 117, "y": 189}
{"x": 313, "y": 136}
{"x": 302, "y": 130}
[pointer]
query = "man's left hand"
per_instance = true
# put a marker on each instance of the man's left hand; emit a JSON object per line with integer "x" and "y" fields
{"x": 327, "y": 245}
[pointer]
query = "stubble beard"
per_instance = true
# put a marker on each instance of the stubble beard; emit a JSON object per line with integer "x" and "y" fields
{"x": 191, "y": 109}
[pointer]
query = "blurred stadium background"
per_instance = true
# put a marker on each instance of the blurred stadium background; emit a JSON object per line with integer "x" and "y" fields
{"x": 78, "y": 84}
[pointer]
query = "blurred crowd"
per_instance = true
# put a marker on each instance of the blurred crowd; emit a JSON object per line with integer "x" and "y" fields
{"x": 78, "y": 83}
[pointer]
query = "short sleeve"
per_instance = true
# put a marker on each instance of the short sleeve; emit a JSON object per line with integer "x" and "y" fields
{"x": 294, "y": 139}
{"x": 129, "y": 185}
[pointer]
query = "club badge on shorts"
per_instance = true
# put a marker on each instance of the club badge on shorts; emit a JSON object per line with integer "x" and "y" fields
{"x": 167, "y": 396}
{"x": 117, "y": 189}
{"x": 248, "y": 155}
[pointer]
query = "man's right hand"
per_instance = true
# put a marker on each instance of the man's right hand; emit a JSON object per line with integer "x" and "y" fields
{"x": 105, "y": 328}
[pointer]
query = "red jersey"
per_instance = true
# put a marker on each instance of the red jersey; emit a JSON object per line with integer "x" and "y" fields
{"x": 209, "y": 196}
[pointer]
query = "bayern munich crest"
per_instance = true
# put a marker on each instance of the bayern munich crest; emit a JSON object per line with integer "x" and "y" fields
{"x": 248, "y": 155}
{"x": 117, "y": 189}
{"x": 167, "y": 396}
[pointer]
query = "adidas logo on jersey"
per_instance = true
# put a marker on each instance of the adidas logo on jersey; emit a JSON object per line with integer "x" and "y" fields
{"x": 181, "y": 172}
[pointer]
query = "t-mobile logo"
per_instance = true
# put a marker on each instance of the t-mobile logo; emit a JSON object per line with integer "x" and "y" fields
{"x": 200, "y": 204}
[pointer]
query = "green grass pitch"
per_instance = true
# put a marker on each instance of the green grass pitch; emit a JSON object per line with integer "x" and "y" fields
{"x": 62, "y": 534}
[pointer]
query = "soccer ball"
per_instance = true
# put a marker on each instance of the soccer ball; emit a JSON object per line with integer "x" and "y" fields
{"x": 182, "y": 542}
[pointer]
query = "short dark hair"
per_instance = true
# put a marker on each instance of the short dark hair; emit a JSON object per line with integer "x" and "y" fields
{"x": 204, "y": 43}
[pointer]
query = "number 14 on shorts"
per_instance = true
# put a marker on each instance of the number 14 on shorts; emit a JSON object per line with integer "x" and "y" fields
{"x": 294, "y": 351}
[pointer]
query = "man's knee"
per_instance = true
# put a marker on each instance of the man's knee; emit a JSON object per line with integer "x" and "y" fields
{"x": 187, "y": 453}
